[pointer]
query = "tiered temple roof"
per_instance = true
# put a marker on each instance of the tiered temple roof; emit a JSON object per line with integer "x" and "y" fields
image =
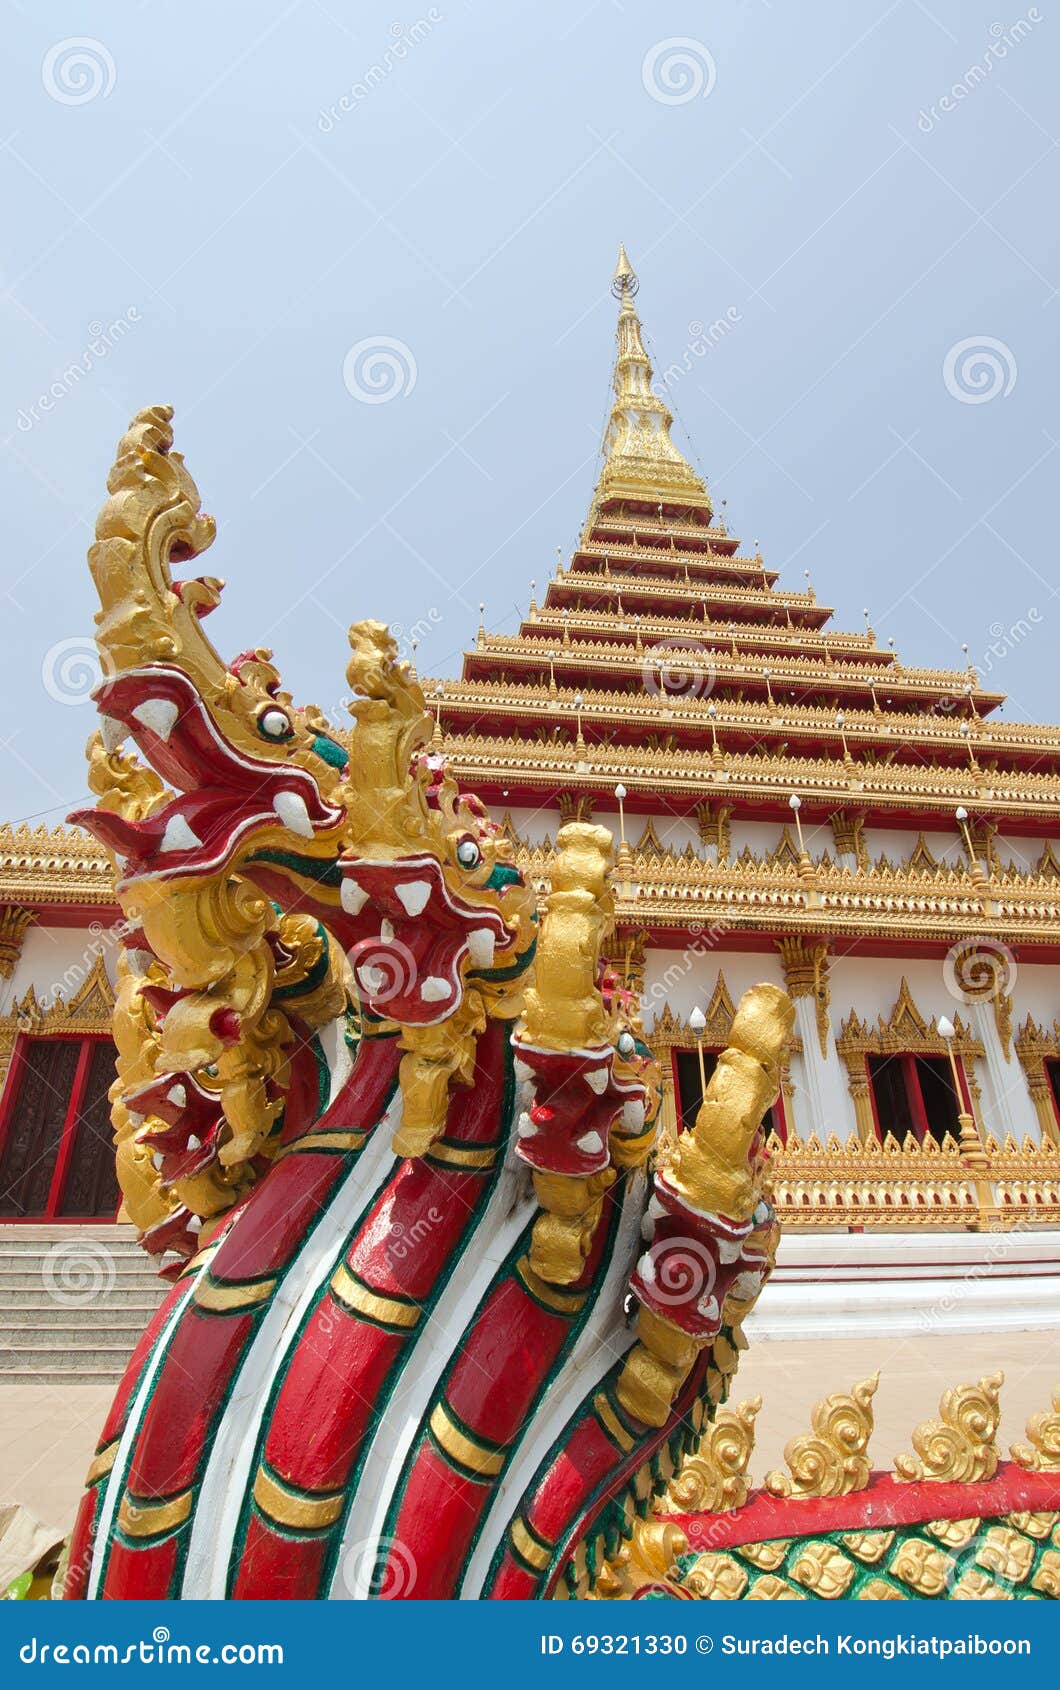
{"x": 664, "y": 660}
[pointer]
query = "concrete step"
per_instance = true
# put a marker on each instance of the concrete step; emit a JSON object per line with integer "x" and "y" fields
{"x": 131, "y": 1316}
{"x": 108, "y": 1347}
{"x": 57, "y": 1285}
{"x": 34, "y": 1295}
{"x": 61, "y": 1376}
{"x": 74, "y": 1301}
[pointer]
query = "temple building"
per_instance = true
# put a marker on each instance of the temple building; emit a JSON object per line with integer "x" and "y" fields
{"x": 792, "y": 803}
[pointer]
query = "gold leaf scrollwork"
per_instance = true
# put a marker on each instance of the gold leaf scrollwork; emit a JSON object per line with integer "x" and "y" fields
{"x": 714, "y": 1477}
{"x": 833, "y": 1459}
{"x": 960, "y": 1446}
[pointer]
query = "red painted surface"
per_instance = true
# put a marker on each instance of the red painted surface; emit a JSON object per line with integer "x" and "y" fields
{"x": 508, "y": 1354}
{"x": 287, "y": 1567}
{"x": 885, "y": 1503}
{"x": 339, "y": 1370}
{"x": 140, "y": 1574}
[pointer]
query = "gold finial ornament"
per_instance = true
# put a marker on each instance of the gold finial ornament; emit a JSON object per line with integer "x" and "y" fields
{"x": 640, "y": 459}
{"x": 961, "y": 1445}
{"x": 625, "y": 278}
{"x": 1042, "y": 1453}
{"x": 714, "y": 1477}
{"x": 833, "y": 1459}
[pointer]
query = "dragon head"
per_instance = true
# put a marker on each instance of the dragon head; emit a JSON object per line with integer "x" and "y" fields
{"x": 236, "y": 767}
{"x": 433, "y": 907}
{"x": 245, "y": 805}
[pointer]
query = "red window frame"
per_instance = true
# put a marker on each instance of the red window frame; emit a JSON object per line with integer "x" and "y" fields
{"x": 68, "y": 1137}
{"x": 914, "y": 1093}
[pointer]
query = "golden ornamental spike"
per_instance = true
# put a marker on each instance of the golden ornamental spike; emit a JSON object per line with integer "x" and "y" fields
{"x": 833, "y": 1459}
{"x": 624, "y": 279}
{"x": 713, "y": 1477}
{"x": 961, "y": 1445}
{"x": 1042, "y": 1454}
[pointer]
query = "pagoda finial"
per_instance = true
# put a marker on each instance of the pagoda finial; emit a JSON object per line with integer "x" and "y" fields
{"x": 641, "y": 462}
{"x": 624, "y": 279}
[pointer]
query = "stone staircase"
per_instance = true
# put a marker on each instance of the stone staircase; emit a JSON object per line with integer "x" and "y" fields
{"x": 73, "y": 1302}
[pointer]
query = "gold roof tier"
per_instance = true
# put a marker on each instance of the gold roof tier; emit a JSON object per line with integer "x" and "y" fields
{"x": 805, "y": 671}
{"x": 640, "y": 459}
{"x": 669, "y": 888}
{"x": 685, "y": 775}
{"x": 644, "y": 711}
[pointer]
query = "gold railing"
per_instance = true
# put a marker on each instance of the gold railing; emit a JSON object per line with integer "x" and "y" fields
{"x": 843, "y": 1183}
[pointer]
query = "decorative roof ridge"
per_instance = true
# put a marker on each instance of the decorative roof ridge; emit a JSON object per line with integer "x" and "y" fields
{"x": 860, "y": 671}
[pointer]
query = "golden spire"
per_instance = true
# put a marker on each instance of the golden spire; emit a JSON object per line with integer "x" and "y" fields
{"x": 640, "y": 459}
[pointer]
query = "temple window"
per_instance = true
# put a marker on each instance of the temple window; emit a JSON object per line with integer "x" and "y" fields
{"x": 913, "y": 1093}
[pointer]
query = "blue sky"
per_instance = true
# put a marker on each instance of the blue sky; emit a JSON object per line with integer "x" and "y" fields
{"x": 366, "y": 255}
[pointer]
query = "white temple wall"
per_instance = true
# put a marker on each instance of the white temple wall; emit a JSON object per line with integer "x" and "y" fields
{"x": 58, "y": 960}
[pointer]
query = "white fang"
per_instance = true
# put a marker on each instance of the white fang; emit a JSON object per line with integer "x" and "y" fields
{"x": 481, "y": 944}
{"x": 352, "y": 897}
{"x": 112, "y": 732}
{"x": 158, "y": 714}
{"x": 179, "y": 836}
{"x": 291, "y": 809}
{"x": 414, "y": 895}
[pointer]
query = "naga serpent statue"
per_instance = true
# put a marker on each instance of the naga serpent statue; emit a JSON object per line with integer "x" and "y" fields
{"x": 445, "y": 1320}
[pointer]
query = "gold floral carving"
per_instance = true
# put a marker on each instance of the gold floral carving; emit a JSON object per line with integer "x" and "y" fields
{"x": 714, "y": 827}
{"x": 714, "y": 1477}
{"x": 960, "y": 1446}
{"x": 926, "y": 1569}
{"x": 647, "y": 1558}
{"x": 714, "y": 1577}
{"x": 806, "y": 975}
{"x": 1041, "y": 1454}
{"x": 14, "y": 924}
{"x": 823, "y": 1569}
{"x": 833, "y": 1459}
{"x": 1034, "y": 1047}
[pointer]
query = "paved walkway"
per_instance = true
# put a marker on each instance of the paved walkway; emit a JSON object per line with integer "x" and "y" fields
{"x": 48, "y": 1432}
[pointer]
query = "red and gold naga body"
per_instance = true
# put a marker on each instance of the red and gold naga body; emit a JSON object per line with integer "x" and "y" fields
{"x": 444, "y": 1322}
